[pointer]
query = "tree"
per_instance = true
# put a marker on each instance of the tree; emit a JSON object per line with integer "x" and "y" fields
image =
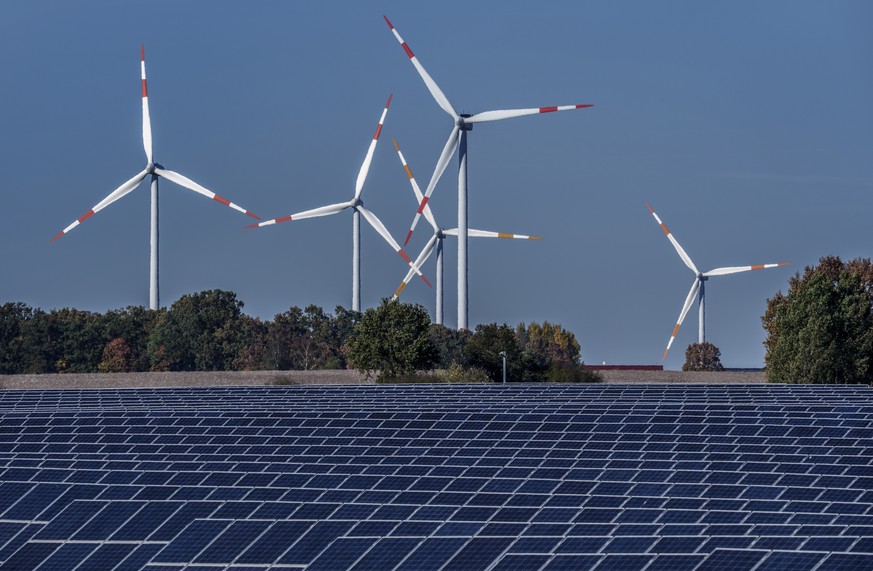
{"x": 552, "y": 353}
{"x": 450, "y": 345}
{"x": 78, "y": 339}
{"x": 13, "y": 321}
{"x": 133, "y": 324}
{"x": 821, "y": 331}
{"x": 393, "y": 340}
{"x": 251, "y": 351}
{"x": 198, "y": 333}
{"x": 116, "y": 357}
{"x": 483, "y": 352}
{"x": 702, "y": 357}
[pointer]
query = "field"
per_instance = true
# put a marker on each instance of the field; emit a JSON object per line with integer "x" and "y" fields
{"x": 330, "y": 377}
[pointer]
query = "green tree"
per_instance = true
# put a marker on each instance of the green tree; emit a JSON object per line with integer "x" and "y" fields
{"x": 450, "y": 345}
{"x": 702, "y": 357}
{"x": 252, "y": 348}
{"x": 78, "y": 341}
{"x": 821, "y": 331}
{"x": 134, "y": 325}
{"x": 198, "y": 333}
{"x": 38, "y": 347}
{"x": 483, "y": 352}
{"x": 393, "y": 340}
{"x": 303, "y": 339}
{"x": 14, "y": 317}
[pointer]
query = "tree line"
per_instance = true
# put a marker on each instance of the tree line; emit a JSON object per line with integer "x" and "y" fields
{"x": 208, "y": 331}
{"x": 205, "y": 331}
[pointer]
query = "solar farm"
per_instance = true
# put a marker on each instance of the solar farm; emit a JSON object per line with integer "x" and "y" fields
{"x": 465, "y": 477}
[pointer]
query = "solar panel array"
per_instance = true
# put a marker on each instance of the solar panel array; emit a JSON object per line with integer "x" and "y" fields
{"x": 438, "y": 477}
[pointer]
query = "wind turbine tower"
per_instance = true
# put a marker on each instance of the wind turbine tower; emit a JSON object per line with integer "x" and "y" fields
{"x": 462, "y": 124}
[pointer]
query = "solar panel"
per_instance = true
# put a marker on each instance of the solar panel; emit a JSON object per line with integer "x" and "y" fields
{"x": 416, "y": 477}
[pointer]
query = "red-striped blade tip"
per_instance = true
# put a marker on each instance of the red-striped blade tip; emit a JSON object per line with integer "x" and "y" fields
{"x": 584, "y": 105}
{"x": 142, "y": 52}
{"x": 396, "y": 146}
{"x": 783, "y": 264}
{"x": 535, "y": 238}
{"x": 255, "y": 216}
{"x": 408, "y": 236}
{"x": 650, "y": 208}
{"x": 387, "y": 21}
{"x": 252, "y": 226}
{"x": 56, "y": 237}
{"x": 425, "y": 281}
{"x": 388, "y": 103}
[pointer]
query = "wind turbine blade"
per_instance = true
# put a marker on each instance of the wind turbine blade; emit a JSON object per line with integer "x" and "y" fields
{"x": 688, "y": 302}
{"x": 415, "y": 188}
{"x": 113, "y": 196}
{"x": 146, "y": 118}
{"x": 365, "y": 166}
{"x": 315, "y": 212}
{"x": 448, "y": 150}
{"x": 488, "y": 234}
{"x": 738, "y": 269}
{"x": 419, "y": 261}
{"x": 509, "y": 113}
{"x": 380, "y": 228}
{"x": 434, "y": 89}
{"x": 685, "y": 257}
{"x": 190, "y": 184}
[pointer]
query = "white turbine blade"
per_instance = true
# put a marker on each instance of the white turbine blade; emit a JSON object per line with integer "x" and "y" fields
{"x": 446, "y": 156}
{"x": 315, "y": 212}
{"x": 190, "y": 184}
{"x": 365, "y": 166}
{"x": 113, "y": 196}
{"x": 434, "y": 89}
{"x": 738, "y": 269}
{"x": 146, "y": 118}
{"x": 419, "y": 261}
{"x": 488, "y": 234}
{"x": 380, "y": 228}
{"x": 685, "y": 257}
{"x": 416, "y": 189}
{"x": 688, "y": 302}
{"x": 510, "y": 113}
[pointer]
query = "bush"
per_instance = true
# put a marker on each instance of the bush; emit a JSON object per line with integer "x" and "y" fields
{"x": 572, "y": 373}
{"x": 457, "y": 373}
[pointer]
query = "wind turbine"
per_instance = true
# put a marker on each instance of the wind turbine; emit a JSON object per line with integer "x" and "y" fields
{"x": 436, "y": 241}
{"x": 697, "y": 288}
{"x": 155, "y": 170}
{"x": 458, "y": 140}
{"x": 357, "y": 206}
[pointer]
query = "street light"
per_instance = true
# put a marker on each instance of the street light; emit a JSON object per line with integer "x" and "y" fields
{"x": 503, "y": 354}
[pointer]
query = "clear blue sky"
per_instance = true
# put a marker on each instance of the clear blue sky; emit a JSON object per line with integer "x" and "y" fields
{"x": 748, "y": 126}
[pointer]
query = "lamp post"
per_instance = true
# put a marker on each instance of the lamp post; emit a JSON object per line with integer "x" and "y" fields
{"x": 503, "y": 355}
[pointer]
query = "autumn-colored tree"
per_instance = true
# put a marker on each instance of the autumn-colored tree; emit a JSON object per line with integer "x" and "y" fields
{"x": 702, "y": 357}
{"x": 116, "y": 357}
{"x": 821, "y": 330}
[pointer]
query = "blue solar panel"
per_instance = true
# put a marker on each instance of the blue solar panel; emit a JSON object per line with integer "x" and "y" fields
{"x": 661, "y": 475}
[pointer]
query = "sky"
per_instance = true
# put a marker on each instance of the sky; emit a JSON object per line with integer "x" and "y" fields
{"x": 747, "y": 126}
